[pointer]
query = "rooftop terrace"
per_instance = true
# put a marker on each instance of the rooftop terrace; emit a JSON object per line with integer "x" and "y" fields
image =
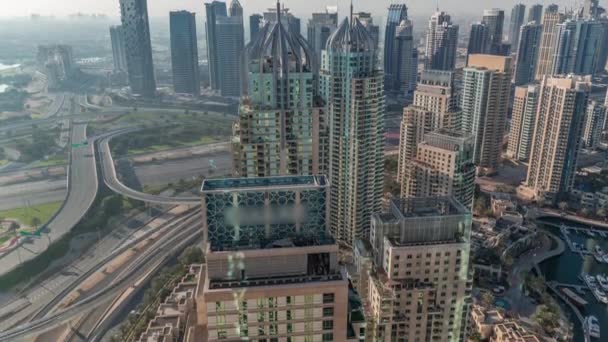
{"x": 245, "y": 184}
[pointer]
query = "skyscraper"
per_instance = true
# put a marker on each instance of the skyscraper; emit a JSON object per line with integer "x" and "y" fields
{"x": 548, "y": 41}
{"x": 136, "y": 29}
{"x": 368, "y": 22}
{"x": 231, "y": 51}
{"x": 441, "y": 42}
{"x": 578, "y": 45}
{"x": 214, "y": 10}
{"x": 590, "y": 9}
{"x": 594, "y": 124}
{"x": 287, "y": 19}
{"x": 184, "y": 53}
{"x": 320, "y": 27}
{"x": 557, "y": 136}
{"x": 352, "y": 85}
{"x": 494, "y": 18}
{"x": 271, "y": 264}
{"x": 435, "y": 93}
{"x": 527, "y": 54}
{"x": 255, "y": 23}
{"x": 523, "y": 118}
{"x": 485, "y": 101}
{"x": 404, "y": 62}
{"x": 535, "y": 14}
{"x": 396, "y": 14}
{"x": 421, "y": 260}
{"x": 119, "y": 52}
{"x": 518, "y": 14}
{"x": 443, "y": 166}
{"x": 478, "y": 39}
{"x": 235, "y": 10}
{"x": 282, "y": 128}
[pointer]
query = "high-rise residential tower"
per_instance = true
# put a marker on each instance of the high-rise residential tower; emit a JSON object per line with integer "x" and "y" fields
{"x": 435, "y": 93}
{"x": 287, "y": 19}
{"x": 352, "y": 84}
{"x": 184, "y": 53}
{"x": 578, "y": 45}
{"x": 443, "y": 166}
{"x": 527, "y": 54}
{"x": 484, "y": 104}
{"x": 535, "y": 14}
{"x": 548, "y": 41}
{"x": 523, "y": 118}
{"x": 478, "y": 39}
{"x": 518, "y": 14}
{"x": 119, "y": 53}
{"x": 214, "y": 10}
{"x": 594, "y": 124}
{"x": 396, "y": 14}
{"x": 230, "y": 36}
{"x": 421, "y": 279}
{"x": 494, "y": 18}
{"x": 282, "y": 128}
{"x": 557, "y": 136}
{"x": 441, "y": 43}
{"x": 272, "y": 271}
{"x": 136, "y": 29}
{"x": 255, "y": 23}
{"x": 320, "y": 27}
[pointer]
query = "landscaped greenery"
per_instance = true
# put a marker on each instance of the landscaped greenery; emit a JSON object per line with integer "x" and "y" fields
{"x": 107, "y": 206}
{"x": 41, "y": 145}
{"x": 27, "y": 216}
{"x": 12, "y": 100}
{"x": 17, "y": 80}
{"x": 160, "y": 287}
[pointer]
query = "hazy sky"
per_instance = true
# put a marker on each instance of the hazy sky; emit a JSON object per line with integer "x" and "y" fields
{"x": 156, "y": 8}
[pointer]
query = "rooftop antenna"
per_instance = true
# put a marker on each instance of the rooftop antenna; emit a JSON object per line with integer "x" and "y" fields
{"x": 437, "y": 5}
{"x": 351, "y": 13}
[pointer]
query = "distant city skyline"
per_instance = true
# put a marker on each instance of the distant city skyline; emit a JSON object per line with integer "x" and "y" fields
{"x": 161, "y": 8}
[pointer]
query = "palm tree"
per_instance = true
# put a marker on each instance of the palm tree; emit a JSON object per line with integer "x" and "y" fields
{"x": 563, "y": 206}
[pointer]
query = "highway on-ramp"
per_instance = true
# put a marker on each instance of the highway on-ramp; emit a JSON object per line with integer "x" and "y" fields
{"x": 82, "y": 188}
{"x": 111, "y": 180}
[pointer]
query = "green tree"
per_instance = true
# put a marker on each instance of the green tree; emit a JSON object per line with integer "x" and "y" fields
{"x": 563, "y": 205}
{"x": 600, "y": 213}
{"x": 112, "y": 205}
{"x": 546, "y": 317}
{"x": 35, "y": 221}
{"x": 487, "y": 299}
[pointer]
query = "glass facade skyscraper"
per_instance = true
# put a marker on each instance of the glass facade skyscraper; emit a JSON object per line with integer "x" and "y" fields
{"x": 213, "y": 11}
{"x": 396, "y": 14}
{"x": 184, "y": 53}
{"x": 136, "y": 29}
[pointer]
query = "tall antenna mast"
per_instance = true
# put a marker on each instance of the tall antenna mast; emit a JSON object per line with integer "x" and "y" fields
{"x": 351, "y": 13}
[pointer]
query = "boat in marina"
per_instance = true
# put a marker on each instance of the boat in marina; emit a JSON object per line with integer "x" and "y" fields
{"x": 600, "y": 295}
{"x": 576, "y": 299}
{"x": 590, "y": 232}
{"x": 591, "y": 326}
{"x": 605, "y": 258}
{"x": 590, "y": 281}
{"x": 598, "y": 254}
{"x": 602, "y": 281}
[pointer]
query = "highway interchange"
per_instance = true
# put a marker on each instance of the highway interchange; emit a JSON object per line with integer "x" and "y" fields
{"x": 36, "y": 310}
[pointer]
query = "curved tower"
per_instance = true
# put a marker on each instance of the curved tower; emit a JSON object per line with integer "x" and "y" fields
{"x": 282, "y": 129}
{"x": 352, "y": 85}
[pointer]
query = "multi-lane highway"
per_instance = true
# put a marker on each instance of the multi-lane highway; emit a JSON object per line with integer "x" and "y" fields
{"x": 154, "y": 256}
{"x": 82, "y": 189}
{"x": 112, "y": 181}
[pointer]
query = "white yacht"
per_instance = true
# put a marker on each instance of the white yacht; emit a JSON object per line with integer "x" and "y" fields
{"x": 602, "y": 281}
{"x": 590, "y": 280}
{"x": 598, "y": 253}
{"x": 592, "y": 326}
{"x": 600, "y": 295}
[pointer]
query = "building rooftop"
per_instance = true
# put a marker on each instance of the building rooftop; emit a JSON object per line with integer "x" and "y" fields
{"x": 428, "y": 206}
{"x": 252, "y": 184}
